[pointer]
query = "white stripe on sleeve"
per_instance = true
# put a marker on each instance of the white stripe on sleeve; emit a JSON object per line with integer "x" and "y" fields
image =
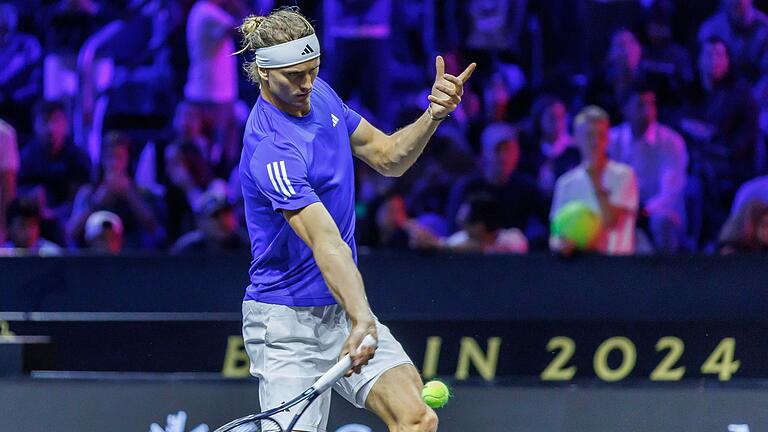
{"x": 272, "y": 178}
{"x": 276, "y": 169}
{"x": 285, "y": 177}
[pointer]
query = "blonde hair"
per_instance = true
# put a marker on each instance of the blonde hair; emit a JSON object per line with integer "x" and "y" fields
{"x": 591, "y": 114}
{"x": 282, "y": 25}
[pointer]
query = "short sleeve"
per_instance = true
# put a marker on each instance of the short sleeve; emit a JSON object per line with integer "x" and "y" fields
{"x": 281, "y": 175}
{"x": 351, "y": 118}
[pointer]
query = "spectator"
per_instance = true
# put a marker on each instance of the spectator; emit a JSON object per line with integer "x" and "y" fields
{"x": 496, "y": 25}
{"x": 217, "y": 231}
{"x": 745, "y": 31}
{"x": 359, "y": 32}
{"x": 548, "y": 150}
{"x": 67, "y": 27}
{"x": 658, "y": 156}
{"x": 20, "y": 56}
{"x": 190, "y": 177}
{"x": 9, "y": 168}
{"x": 24, "y": 219}
{"x": 503, "y": 91}
{"x": 212, "y": 77}
{"x": 115, "y": 190}
{"x": 721, "y": 122}
{"x": 607, "y": 186}
{"x": 481, "y": 231}
{"x": 392, "y": 223}
{"x": 445, "y": 159}
{"x": 622, "y": 67}
{"x": 746, "y": 231}
{"x": 188, "y": 127}
{"x": 667, "y": 64}
{"x": 499, "y": 178}
{"x": 53, "y": 160}
{"x": 104, "y": 233}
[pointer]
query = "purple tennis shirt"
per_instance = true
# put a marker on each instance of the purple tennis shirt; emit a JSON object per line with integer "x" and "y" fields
{"x": 288, "y": 163}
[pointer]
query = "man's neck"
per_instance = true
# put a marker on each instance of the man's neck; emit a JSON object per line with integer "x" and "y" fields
{"x": 598, "y": 163}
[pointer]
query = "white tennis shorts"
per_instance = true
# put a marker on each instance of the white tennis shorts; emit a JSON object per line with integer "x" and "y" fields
{"x": 290, "y": 347}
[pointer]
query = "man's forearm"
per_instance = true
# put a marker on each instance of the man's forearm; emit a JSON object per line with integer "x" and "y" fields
{"x": 343, "y": 279}
{"x": 407, "y": 144}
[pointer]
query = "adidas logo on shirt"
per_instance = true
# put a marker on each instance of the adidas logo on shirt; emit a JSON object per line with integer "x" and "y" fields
{"x": 334, "y": 119}
{"x": 307, "y": 50}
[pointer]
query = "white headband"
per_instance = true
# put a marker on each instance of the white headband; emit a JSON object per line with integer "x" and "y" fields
{"x": 288, "y": 53}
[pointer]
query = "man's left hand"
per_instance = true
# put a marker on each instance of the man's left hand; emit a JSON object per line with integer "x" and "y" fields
{"x": 447, "y": 89}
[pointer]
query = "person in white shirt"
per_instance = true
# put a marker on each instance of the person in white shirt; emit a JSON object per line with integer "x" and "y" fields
{"x": 607, "y": 187}
{"x": 212, "y": 83}
{"x": 660, "y": 160}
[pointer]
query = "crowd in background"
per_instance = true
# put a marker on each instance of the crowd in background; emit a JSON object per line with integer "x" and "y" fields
{"x": 121, "y": 122}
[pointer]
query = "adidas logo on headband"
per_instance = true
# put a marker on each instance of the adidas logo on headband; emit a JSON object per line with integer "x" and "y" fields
{"x": 307, "y": 50}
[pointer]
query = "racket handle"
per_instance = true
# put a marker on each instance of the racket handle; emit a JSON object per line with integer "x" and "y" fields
{"x": 341, "y": 368}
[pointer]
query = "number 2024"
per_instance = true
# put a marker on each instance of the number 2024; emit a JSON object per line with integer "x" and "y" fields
{"x": 720, "y": 362}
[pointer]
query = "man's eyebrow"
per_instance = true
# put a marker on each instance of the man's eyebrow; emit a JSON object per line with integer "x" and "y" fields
{"x": 300, "y": 71}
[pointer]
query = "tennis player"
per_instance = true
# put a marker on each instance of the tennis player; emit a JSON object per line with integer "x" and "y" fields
{"x": 306, "y": 303}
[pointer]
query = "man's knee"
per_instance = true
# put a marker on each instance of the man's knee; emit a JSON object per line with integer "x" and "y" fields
{"x": 420, "y": 419}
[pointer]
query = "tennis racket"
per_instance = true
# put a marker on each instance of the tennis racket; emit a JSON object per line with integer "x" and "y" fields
{"x": 263, "y": 422}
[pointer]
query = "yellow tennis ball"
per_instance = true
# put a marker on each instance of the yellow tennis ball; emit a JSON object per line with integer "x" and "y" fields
{"x": 435, "y": 394}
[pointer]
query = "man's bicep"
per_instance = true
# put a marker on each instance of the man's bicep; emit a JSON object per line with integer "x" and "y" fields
{"x": 313, "y": 224}
{"x": 367, "y": 143}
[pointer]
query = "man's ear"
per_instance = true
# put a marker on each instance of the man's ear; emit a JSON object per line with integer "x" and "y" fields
{"x": 263, "y": 74}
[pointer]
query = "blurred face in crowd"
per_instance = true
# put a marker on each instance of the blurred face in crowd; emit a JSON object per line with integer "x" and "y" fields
{"x": 640, "y": 110}
{"x": 24, "y": 232}
{"x": 592, "y": 138}
{"x": 116, "y": 160}
{"x": 625, "y": 50}
{"x": 220, "y": 225}
{"x": 289, "y": 88}
{"x": 392, "y": 215}
{"x": 110, "y": 241}
{"x": 658, "y": 32}
{"x": 187, "y": 122}
{"x": 499, "y": 165}
{"x": 739, "y": 11}
{"x": 176, "y": 169}
{"x": 476, "y": 231}
{"x": 553, "y": 121}
{"x": 53, "y": 130}
{"x": 714, "y": 62}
